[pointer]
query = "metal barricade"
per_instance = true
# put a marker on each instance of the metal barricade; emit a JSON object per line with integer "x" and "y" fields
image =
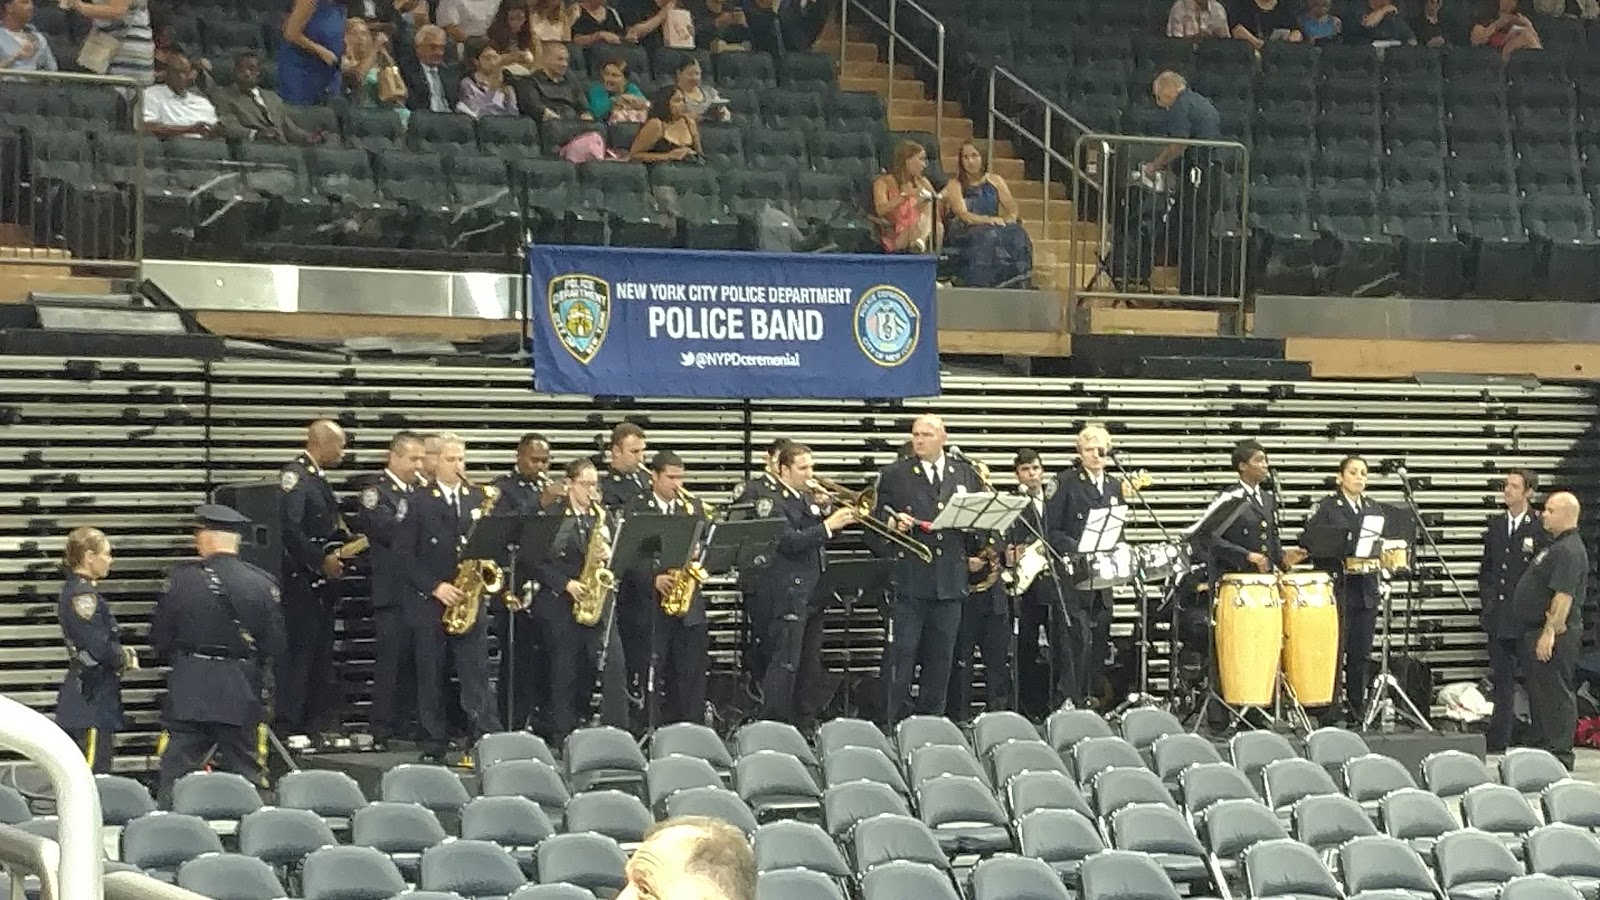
{"x": 72, "y": 181}
{"x": 1170, "y": 237}
{"x": 891, "y": 25}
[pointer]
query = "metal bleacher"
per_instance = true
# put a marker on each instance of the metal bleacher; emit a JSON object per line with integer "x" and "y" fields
{"x": 131, "y": 445}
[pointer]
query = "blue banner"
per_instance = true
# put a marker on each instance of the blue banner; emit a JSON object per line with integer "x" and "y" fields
{"x": 689, "y": 323}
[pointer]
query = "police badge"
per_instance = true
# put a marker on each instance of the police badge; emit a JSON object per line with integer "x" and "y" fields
{"x": 288, "y": 479}
{"x": 1050, "y": 486}
{"x": 369, "y": 498}
{"x": 1527, "y": 544}
{"x": 400, "y": 510}
{"x": 580, "y": 313}
{"x": 764, "y": 507}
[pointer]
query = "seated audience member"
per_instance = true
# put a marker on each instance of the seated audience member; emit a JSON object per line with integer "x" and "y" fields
{"x": 511, "y": 34}
{"x": 365, "y": 56}
{"x": 903, "y": 199}
{"x": 990, "y": 245}
{"x": 720, "y": 25}
{"x": 431, "y": 83}
{"x": 553, "y": 92}
{"x": 784, "y": 26}
{"x": 1382, "y": 23}
{"x": 390, "y": 15}
{"x": 1502, "y": 27}
{"x": 22, "y": 47}
{"x": 249, "y": 112}
{"x": 670, "y": 24}
{"x": 165, "y": 48}
{"x": 1257, "y": 21}
{"x": 595, "y": 22}
{"x": 172, "y": 109}
{"x": 485, "y": 92}
{"x": 670, "y": 134}
{"x": 1319, "y": 25}
{"x": 1197, "y": 20}
{"x": 614, "y": 98}
{"x": 702, "y": 99}
{"x": 1430, "y": 26}
{"x": 462, "y": 19}
{"x": 552, "y": 20}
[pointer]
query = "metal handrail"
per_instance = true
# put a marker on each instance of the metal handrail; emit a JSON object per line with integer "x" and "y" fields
{"x": 1045, "y": 143}
{"x": 891, "y": 27}
{"x": 75, "y": 873}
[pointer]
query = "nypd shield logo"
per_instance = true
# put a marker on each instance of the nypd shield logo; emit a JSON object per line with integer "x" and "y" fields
{"x": 580, "y": 313}
{"x": 887, "y": 325}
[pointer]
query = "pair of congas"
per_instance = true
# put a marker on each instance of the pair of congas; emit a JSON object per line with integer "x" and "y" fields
{"x": 1264, "y": 622}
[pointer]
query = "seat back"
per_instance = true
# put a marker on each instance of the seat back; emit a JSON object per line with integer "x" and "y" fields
{"x": 1284, "y": 867}
{"x": 1469, "y": 856}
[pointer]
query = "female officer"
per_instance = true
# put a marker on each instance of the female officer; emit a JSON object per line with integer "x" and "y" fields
{"x": 1355, "y": 582}
{"x": 90, "y": 703}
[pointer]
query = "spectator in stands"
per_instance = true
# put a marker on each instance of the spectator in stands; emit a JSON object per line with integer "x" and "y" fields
{"x": 671, "y": 24}
{"x": 22, "y": 47}
{"x": 484, "y": 92}
{"x": 552, "y": 20}
{"x": 903, "y": 199}
{"x": 595, "y": 22}
{"x": 431, "y": 83}
{"x": 616, "y": 99}
{"x": 126, "y": 23}
{"x": 1257, "y": 21}
{"x": 1502, "y": 27}
{"x": 691, "y": 858}
{"x": 249, "y": 112}
{"x": 1383, "y": 24}
{"x": 511, "y": 33}
{"x": 308, "y": 64}
{"x": 168, "y": 49}
{"x": 553, "y": 92}
{"x": 462, "y": 19}
{"x": 1430, "y": 27}
{"x": 391, "y": 14}
{"x": 721, "y": 26}
{"x": 1191, "y": 117}
{"x": 702, "y": 99}
{"x": 171, "y": 109}
{"x": 1197, "y": 20}
{"x": 784, "y": 26}
{"x": 366, "y": 57}
{"x": 1319, "y": 25}
{"x": 670, "y": 134}
{"x": 991, "y": 248}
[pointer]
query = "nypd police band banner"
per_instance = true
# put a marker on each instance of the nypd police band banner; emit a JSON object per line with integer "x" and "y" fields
{"x": 690, "y": 323}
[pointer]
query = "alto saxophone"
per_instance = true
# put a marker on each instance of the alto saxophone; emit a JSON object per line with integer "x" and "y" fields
{"x": 596, "y": 582}
{"x": 678, "y": 596}
{"x": 475, "y": 578}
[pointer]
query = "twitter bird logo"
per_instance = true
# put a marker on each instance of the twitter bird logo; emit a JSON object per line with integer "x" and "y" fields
{"x": 686, "y": 359}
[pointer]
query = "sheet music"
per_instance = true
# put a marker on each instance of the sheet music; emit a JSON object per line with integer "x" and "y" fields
{"x": 1370, "y": 536}
{"x": 1103, "y": 529}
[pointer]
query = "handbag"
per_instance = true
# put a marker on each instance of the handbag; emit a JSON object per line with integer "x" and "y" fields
{"x": 97, "y": 52}
{"x": 391, "y": 87}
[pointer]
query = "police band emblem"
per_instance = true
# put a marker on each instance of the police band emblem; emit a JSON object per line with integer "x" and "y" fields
{"x": 764, "y": 507}
{"x": 84, "y": 605}
{"x": 887, "y": 325}
{"x": 369, "y": 498}
{"x": 289, "y": 479}
{"x": 580, "y": 313}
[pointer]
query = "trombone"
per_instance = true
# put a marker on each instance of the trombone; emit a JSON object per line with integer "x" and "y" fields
{"x": 863, "y": 501}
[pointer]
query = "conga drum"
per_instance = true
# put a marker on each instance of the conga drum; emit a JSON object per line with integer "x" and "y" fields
{"x": 1310, "y": 636}
{"x": 1249, "y": 634}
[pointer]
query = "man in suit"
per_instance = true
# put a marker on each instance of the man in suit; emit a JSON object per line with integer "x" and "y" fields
{"x": 625, "y": 483}
{"x": 1036, "y": 607}
{"x": 386, "y": 500}
{"x": 792, "y": 687}
{"x": 1509, "y": 542}
{"x": 249, "y": 112}
{"x": 925, "y": 610}
{"x": 431, "y": 83}
{"x": 436, "y": 531}
{"x": 1086, "y": 633}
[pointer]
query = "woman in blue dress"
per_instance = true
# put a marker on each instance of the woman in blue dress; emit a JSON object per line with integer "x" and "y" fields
{"x": 308, "y": 64}
{"x": 985, "y": 237}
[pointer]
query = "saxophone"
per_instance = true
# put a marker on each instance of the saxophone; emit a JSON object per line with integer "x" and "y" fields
{"x": 687, "y": 579}
{"x": 475, "y": 578}
{"x": 596, "y": 581}
{"x": 984, "y": 578}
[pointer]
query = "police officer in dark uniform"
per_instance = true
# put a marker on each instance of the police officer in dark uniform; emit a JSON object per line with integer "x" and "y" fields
{"x": 219, "y": 626}
{"x": 435, "y": 530}
{"x": 311, "y": 532}
{"x": 524, "y": 491}
{"x": 623, "y": 484}
{"x": 750, "y": 495}
{"x": 576, "y": 651}
{"x": 1249, "y": 541}
{"x": 1355, "y": 591}
{"x": 89, "y": 705}
{"x": 1548, "y": 603}
{"x": 925, "y": 612}
{"x": 792, "y": 689}
{"x": 1509, "y": 542}
{"x": 1036, "y": 608}
{"x": 386, "y": 500}
{"x": 1086, "y": 634}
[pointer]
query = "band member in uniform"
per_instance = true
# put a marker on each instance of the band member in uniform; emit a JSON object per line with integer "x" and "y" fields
{"x": 1086, "y": 634}
{"x": 219, "y": 626}
{"x": 1547, "y": 603}
{"x": 1037, "y": 633}
{"x": 577, "y": 651}
{"x": 311, "y": 572}
{"x": 625, "y": 482}
{"x": 763, "y": 486}
{"x": 1356, "y": 592}
{"x": 792, "y": 689}
{"x": 986, "y": 626}
{"x": 431, "y": 442}
{"x": 528, "y": 487}
{"x": 678, "y": 661}
{"x": 89, "y": 705}
{"x": 436, "y": 526}
{"x": 524, "y": 491}
{"x": 1509, "y": 542}
{"x": 925, "y": 612}
{"x": 1249, "y": 542}
{"x": 386, "y": 500}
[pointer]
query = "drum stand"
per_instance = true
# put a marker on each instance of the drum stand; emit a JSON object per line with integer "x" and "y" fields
{"x": 1141, "y": 695}
{"x": 1381, "y": 706}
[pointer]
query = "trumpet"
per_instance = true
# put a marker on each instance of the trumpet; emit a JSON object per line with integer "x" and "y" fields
{"x": 863, "y": 501}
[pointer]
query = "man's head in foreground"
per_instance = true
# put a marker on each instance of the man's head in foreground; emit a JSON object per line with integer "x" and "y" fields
{"x": 692, "y": 858}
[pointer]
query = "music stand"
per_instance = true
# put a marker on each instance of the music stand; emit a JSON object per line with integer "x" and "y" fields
{"x": 849, "y": 581}
{"x": 980, "y": 512}
{"x": 654, "y": 542}
{"x": 742, "y": 545}
{"x": 1102, "y": 532}
{"x": 1399, "y": 523}
{"x": 527, "y": 545}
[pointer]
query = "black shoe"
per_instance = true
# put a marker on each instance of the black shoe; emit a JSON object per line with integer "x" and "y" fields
{"x": 432, "y": 758}
{"x": 380, "y": 745}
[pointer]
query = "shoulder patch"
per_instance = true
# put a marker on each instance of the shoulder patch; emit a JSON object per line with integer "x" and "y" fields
{"x": 289, "y": 479}
{"x": 277, "y": 596}
{"x": 1050, "y": 486}
{"x": 764, "y": 507}
{"x": 369, "y": 498}
{"x": 84, "y": 605}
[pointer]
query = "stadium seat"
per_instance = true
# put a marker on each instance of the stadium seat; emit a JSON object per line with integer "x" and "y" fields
{"x": 1142, "y": 726}
{"x": 1368, "y": 778}
{"x": 1091, "y": 756}
{"x": 963, "y": 814}
{"x": 1381, "y": 863}
{"x": 283, "y": 837}
{"x": 160, "y": 842}
{"x": 400, "y": 830}
{"x": 446, "y": 132}
{"x": 776, "y": 785}
{"x": 1029, "y": 791}
{"x": 604, "y": 756}
{"x": 1065, "y": 728}
{"x": 1286, "y": 781}
{"x": 780, "y": 737}
{"x": 1451, "y": 773}
{"x": 668, "y": 775}
{"x": 717, "y": 803}
{"x": 350, "y": 873}
{"x": 1172, "y": 754}
{"x": 1473, "y": 865}
{"x": 1013, "y": 758}
{"x": 903, "y": 878}
{"x": 617, "y": 815}
{"x": 1061, "y": 838}
{"x": 1325, "y": 821}
{"x": 1125, "y": 876}
{"x": 1572, "y": 803}
{"x": 1163, "y": 833}
{"x": 797, "y": 884}
{"x": 838, "y": 733}
{"x": 528, "y": 778}
{"x": 1500, "y": 811}
{"x": 1569, "y": 853}
{"x": 843, "y": 805}
{"x": 517, "y": 824}
{"x": 332, "y": 795}
{"x": 885, "y": 838}
{"x": 798, "y": 845}
{"x": 1284, "y": 868}
{"x": 847, "y": 764}
{"x": 690, "y": 738}
{"x": 472, "y": 869}
{"x": 509, "y": 137}
{"x": 121, "y": 799}
{"x": 1117, "y": 787}
{"x": 1230, "y": 827}
{"x": 1417, "y": 817}
{"x": 1539, "y": 887}
{"x": 1331, "y": 748}
{"x": 494, "y": 748}
{"x": 590, "y": 861}
{"x": 1564, "y": 228}
{"x": 933, "y": 760}
{"x": 434, "y": 788}
{"x": 1003, "y": 878}
{"x": 1203, "y": 784}
{"x": 230, "y": 876}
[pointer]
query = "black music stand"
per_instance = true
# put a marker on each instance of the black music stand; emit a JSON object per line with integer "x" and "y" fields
{"x": 1102, "y": 531}
{"x": 525, "y": 541}
{"x": 745, "y": 544}
{"x": 1399, "y": 523}
{"x": 849, "y": 581}
{"x": 653, "y": 542}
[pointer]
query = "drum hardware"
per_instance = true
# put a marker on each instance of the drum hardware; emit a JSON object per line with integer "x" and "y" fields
{"x": 1166, "y": 562}
{"x": 1381, "y": 696}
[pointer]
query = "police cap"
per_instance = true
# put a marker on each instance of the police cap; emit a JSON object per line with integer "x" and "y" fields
{"x": 216, "y": 517}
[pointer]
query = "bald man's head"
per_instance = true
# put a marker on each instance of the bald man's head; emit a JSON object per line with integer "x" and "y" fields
{"x": 692, "y": 858}
{"x": 325, "y": 442}
{"x": 927, "y": 437}
{"x": 1560, "y": 513}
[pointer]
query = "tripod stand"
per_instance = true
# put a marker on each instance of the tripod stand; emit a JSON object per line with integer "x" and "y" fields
{"x": 1141, "y": 695}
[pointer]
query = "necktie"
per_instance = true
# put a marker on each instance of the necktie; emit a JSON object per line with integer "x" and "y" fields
{"x": 454, "y": 507}
{"x": 1511, "y": 524}
{"x": 936, "y": 480}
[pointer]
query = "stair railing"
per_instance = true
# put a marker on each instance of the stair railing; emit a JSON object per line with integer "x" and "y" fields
{"x": 1055, "y": 118}
{"x": 891, "y": 26}
{"x": 70, "y": 868}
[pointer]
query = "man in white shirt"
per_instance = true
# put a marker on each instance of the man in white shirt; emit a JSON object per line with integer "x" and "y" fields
{"x": 22, "y": 47}
{"x": 467, "y": 18}
{"x": 173, "y": 110}
{"x": 1197, "y": 20}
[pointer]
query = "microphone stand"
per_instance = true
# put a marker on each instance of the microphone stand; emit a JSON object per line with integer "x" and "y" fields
{"x": 1427, "y": 538}
{"x": 1141, "y": 695}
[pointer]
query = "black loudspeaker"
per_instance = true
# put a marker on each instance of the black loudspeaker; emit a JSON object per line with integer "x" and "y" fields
{"x": 262, "y": 503}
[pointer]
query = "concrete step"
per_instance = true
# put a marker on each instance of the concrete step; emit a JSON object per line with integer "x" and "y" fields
{"x": 1060, "y": 230}
{"x": 854, "y": 51}
{"x": 949, "y": 127}
{"x": 1066, "y": 251}
{"x": 1033, "y": 210}
{"x": 1104, "y": 319}
{"x": 909, "y": 101}
{"x": 1008, "y": 168}
{"x": 17, "y": 282}
{"x": 1062, "y": 277}
{"x": 1034, "y": 190}
{"x": 874, "y": 69}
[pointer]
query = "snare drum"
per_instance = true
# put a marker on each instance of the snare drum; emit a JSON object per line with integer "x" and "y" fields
{"x": 1249, "y": 635}
{"x": 1395, "y": 556}
{"x": 1098, "y": 571}
{"x": 1310, "y": 636}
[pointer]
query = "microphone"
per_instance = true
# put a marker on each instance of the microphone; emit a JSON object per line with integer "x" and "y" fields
{"x": 1400, "y": 470}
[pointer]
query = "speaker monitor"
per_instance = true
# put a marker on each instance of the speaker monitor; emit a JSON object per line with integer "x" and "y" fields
{"x": 262, "y": 503}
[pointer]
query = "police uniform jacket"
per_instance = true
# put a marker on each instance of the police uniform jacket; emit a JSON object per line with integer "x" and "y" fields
{"x": 519, "y": 494}
{"x": 618, "y": 491}
{"x": 215, "y": 675}
{"x": 1507, "y": 552}
{"x": 650, "y": 505}
{"x": 567, "y": 551}
{"x": 792, "y": 577}
{"x": 91, "y": 694}
{"x": 310, "y": 518}
{"x": 1253, "y": 529}
{"x": 904, "y": 487}
{"x": 1352, "y": 590}
{"x": 436, "y": 533}
{"x": 762, "y": 487}
{"x": 1067, "y": 512}
{"x": 385, "y": 503}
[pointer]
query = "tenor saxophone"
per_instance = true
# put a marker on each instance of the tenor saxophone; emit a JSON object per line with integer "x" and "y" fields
{"x": 596, "y": 582}
{"x": 475, "y": 578}
{"x": 678, "y": 596}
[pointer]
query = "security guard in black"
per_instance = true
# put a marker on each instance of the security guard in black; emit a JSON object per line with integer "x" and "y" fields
{"x": 1552, "y": 635}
